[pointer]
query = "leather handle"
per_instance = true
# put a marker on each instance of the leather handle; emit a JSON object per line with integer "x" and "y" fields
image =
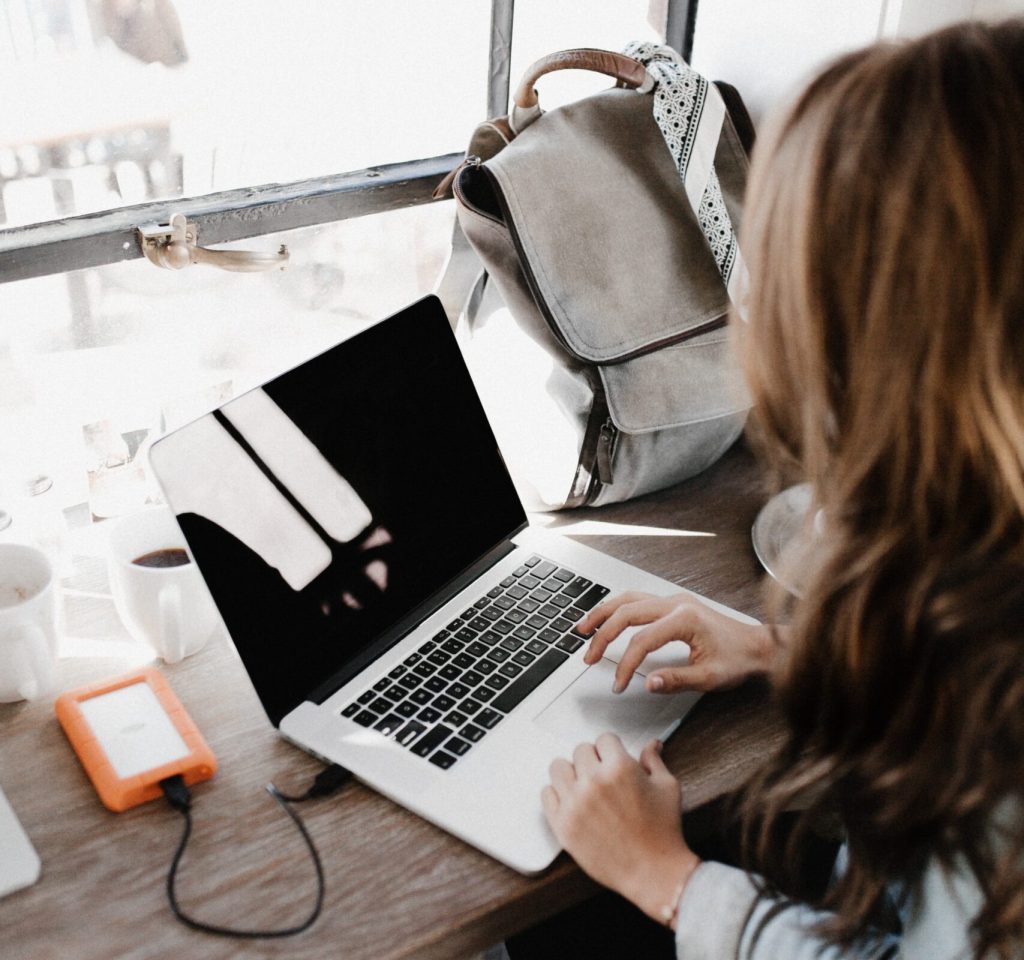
{"x": 627, "y": 71}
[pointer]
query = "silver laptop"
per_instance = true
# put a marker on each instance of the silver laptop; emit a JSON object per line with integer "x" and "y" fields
{"x": 395, "y": 611}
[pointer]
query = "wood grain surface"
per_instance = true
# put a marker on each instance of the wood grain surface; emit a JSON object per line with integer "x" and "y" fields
{"x": 396, "y": 886}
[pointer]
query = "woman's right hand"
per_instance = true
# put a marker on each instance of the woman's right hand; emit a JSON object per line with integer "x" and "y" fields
{"x": 723, "y": 652}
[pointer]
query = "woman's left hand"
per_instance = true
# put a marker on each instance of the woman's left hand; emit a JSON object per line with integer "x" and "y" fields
{"x": 621, "y": 821}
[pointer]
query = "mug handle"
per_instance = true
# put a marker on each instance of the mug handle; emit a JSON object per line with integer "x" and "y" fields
{"x": 172, "y": 632}
{"x": 33, "y": 666}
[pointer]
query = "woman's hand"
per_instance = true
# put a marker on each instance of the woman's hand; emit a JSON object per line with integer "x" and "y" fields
{"x": 621, "y": 822}
{"x": 723, "y": 651}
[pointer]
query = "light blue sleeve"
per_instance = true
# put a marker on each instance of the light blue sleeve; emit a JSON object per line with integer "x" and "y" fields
{"x": 723, "y": 917}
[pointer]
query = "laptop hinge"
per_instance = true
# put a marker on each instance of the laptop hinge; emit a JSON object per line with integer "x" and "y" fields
{"x": 409, "y": 623}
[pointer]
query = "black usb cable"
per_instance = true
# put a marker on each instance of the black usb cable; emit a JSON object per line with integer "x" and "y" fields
{"x": 179, "y": 797}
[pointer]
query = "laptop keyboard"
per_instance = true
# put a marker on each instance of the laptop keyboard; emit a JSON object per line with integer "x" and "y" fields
{"x": 444, "y": 698}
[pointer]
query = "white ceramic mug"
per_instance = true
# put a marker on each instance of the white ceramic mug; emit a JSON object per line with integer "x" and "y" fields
{"x": 28, "y": 623}
{"x": 168, "y": 607}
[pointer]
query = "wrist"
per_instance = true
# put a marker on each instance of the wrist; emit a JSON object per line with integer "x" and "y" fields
{"x": 659, "y": 888}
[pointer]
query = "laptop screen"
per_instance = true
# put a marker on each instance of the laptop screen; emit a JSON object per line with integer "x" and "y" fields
{"x": 329, "y": 504}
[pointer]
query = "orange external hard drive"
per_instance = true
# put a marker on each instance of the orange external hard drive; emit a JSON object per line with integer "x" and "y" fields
{"x": 130, "y": 733}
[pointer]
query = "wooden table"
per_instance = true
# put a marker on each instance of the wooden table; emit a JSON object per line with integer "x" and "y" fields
{"x": 396, "y": 885}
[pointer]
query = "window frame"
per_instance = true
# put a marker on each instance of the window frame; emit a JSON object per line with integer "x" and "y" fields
{"x": 98, "y": 239}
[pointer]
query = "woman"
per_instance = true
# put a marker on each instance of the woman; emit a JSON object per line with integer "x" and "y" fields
{"x": 885, "y": 355}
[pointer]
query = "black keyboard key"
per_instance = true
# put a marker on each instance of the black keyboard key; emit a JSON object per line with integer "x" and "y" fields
{"x": 529, "y": 582}
{"x": 548, "y": 611}
{"x": 476, "y": 649}
{"x": 497, "y": 681}
{"x": 548, "y": 635}
{"x": 532, "y": 562}
{"x": 517, "y": 592}
{"x": 389, "y": 724}
{"x": 510, "y": 669}
{"x": 578, "y": 587}
{"x": 541, "y": 595}
{"x": 397, "y": 672}
{"x": 406, "y": 709}
{"x": 524, "y": 632}
{"x": 468, "y": 614}
{"x": 536, "y": 646}
{"x": 494, "y": 592}
{"x": 570, "y": 643}
{"x": 429, "y": 714}
{"x": 462, "y": 661}
{"x": 431, "y": 739}
{"x": 425, "y": 669}
{"x": 524, "y": 658}
{"x": 457, "y": 690}
{"x": 519, "y": 571}
{"x": 443, "y": 635}
{"x": 465, "y": 635}
{"x": 412, "y": 659}
{"x": 504, "y": 603}
{"x": 561, "y": 624}
{"x": 381, "y": 685}
{"x": 529, "y": 681}
{"x": 442, "y": 703}
{"x": 564, "y": 575}
{"x": 434, "y": 683}
{"x": 395, "y": 693}
{"x": 493, "y": 613}
{"x": 512, "y": 644}
{"x": 470, "y": 706}
{"x": 450, "y": 672}
{"x": 443, "y": 760}
{"x": 488, "y": 718}
{"x": 498, "y": 655}
{"x": 410, "y": 732}
{"x": 503, "y": 627}
{"x": 439, "y": 657}
{"x": 508, "y": 581}
{"x": 451, "y": 645}
{"x": 490, "y": 637}
{"x": 478, "y": 624}
{"x": 592, "y": 597}
{"x": 365, "y": 698}
{"x": 528, "y": 605}
{"x": 544, "y": 570}
{"x": 455, "y": 624}
{"x": 481, "y": 603}
{"x": 574, "y": 613}
{"x": 485, "y": 666}
{"x": 428, "y": 647}
{"x": 484, "y": 694}
{"x": 538, "y": 623}
{"x": 471, "y": 732}
{"x": 380, "y": 705}
{"x": 561, "y": 601}
{"x": 456, "y": 719}
{"x": 411, "y": 681}
{"x": 458, "y": 746}
{"x": 422, "y": 696}
{"x": 516, "y": 616}
{"x": 472, "y": 678}
{"x": 365, "y": 718}
{"x": 351, "y": 710}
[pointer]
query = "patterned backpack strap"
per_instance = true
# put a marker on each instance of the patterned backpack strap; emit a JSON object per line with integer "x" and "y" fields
{"x": 690, "y": 112}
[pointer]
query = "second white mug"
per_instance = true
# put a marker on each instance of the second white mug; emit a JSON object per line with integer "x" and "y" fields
{"x": 159, "y": 592}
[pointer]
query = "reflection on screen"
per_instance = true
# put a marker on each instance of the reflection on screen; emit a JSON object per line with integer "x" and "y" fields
{"x": 327, "y": 505}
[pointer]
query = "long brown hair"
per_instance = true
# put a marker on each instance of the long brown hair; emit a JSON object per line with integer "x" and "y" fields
{"x": 885, "y": 354}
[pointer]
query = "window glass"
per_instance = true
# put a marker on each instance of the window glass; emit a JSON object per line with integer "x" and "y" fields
{"x": 94, "y": 362}
{"x": 111, "y": 102}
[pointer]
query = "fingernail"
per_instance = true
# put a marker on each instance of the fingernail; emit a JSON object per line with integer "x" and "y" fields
{"x": 618, "y": 686}
{"x": 659, "y": 746}
{"x": 655, "y": 683}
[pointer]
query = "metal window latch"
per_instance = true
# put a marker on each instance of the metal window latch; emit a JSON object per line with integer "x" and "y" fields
{"x": 174, "y": 246}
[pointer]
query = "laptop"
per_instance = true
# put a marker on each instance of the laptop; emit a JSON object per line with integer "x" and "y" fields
{"x": 394, "y": 609}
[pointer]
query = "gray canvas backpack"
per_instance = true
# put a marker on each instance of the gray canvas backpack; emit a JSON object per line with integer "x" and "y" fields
{"x": 613, "y": 375}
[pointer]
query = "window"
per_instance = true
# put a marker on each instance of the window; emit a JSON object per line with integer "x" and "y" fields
{"x": 120, "y": 112}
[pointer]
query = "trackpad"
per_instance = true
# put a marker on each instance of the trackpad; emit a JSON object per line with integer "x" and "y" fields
{"x": 588, "y": 708}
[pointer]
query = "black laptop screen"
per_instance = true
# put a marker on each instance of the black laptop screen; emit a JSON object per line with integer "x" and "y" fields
{"x": 325, "y": 507}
